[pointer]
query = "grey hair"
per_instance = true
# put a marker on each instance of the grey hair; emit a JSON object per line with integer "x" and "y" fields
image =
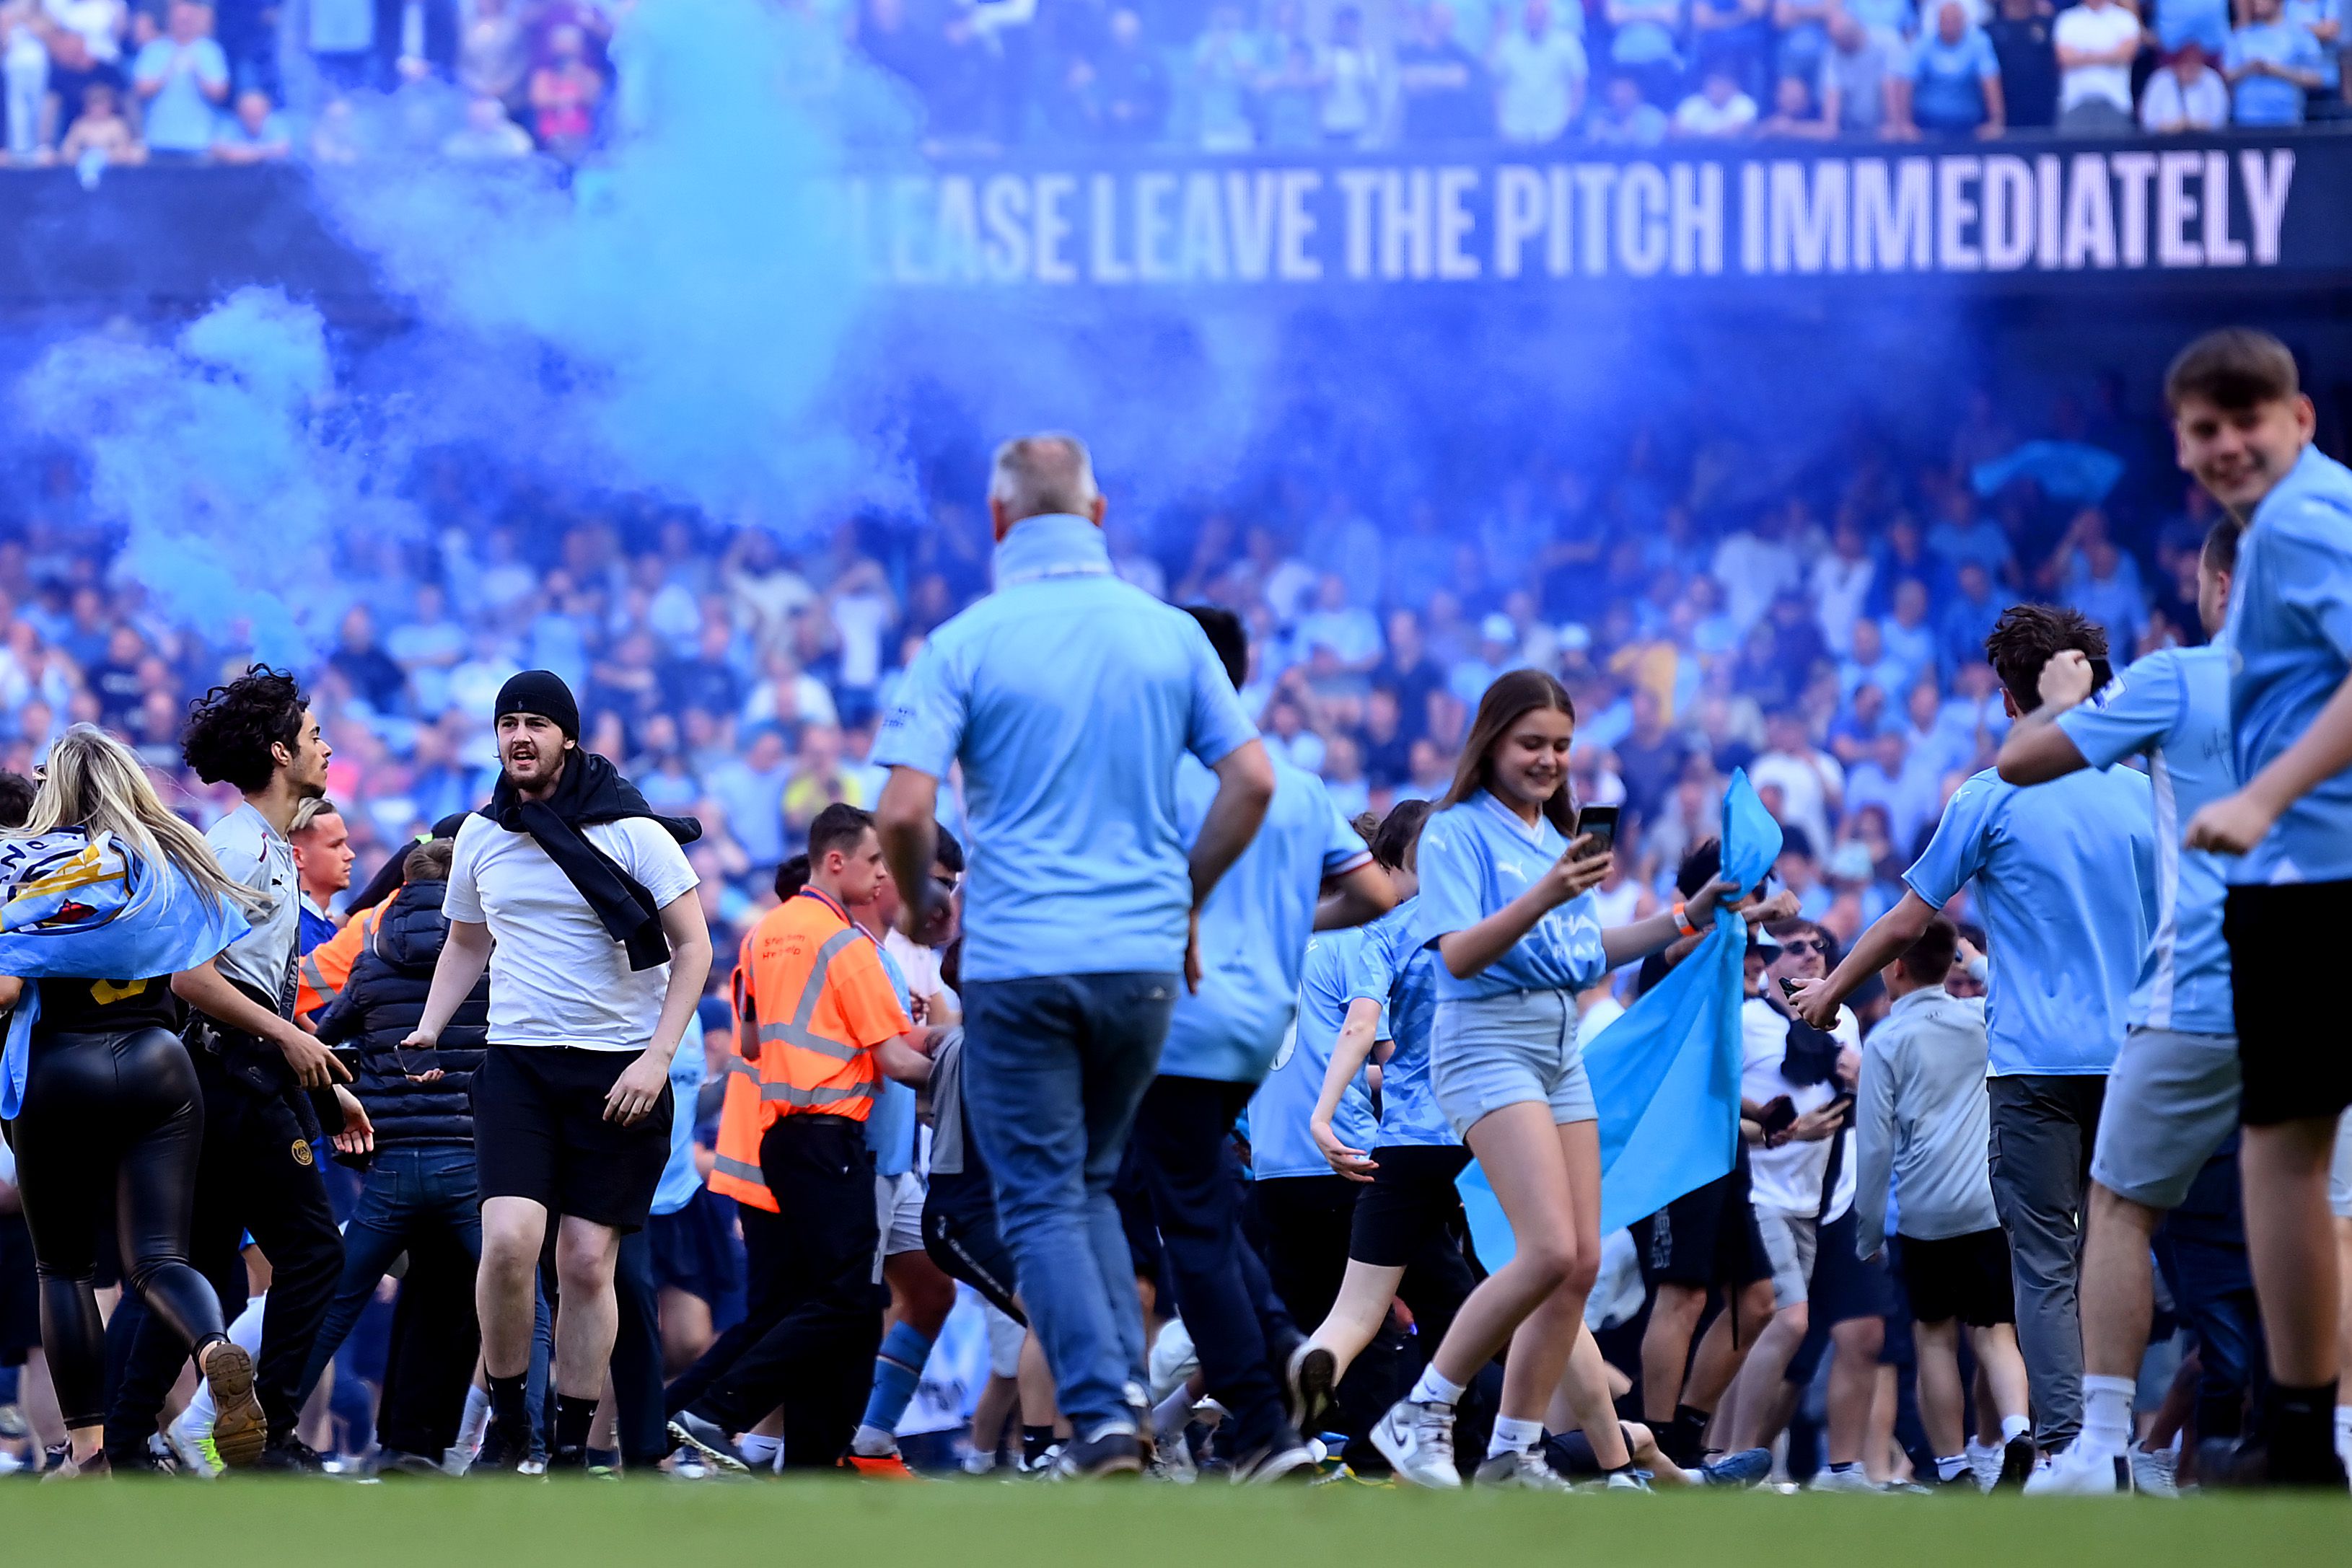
{"x": 1049, "y": 472}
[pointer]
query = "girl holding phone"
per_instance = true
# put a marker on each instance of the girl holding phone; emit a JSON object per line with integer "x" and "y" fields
{"x": 1505, "y": 903}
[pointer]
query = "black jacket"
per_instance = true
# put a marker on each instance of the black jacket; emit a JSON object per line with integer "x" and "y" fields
{"x": 383, "y": 1001}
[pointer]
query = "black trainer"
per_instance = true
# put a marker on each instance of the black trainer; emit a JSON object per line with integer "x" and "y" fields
{"x": 288, "y": 1455}
{"x": 1093, "y": 1458}
{"x": 2017, "y": 1459}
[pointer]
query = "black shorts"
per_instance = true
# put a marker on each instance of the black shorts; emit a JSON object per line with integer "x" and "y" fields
{"x": 1411, "y": 1197}
{"x": 1843, "y": 1286}
{"x": 2280, "y": 940}
{"x": 960, "y": 1235}
{"x": 1964, "y": 1276}
{"x": 695, "y": 1250}
{"x": 540, "y": 1133}
{"x": 1705, "y": 1238}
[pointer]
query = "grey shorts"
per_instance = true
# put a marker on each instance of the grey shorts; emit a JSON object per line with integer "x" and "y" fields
{"x": 2172, "y": 1098}
{"x": 1492, "y": 1052}
{"x": 1791, "y": 1240}
{"x": 2339, "y": 1176}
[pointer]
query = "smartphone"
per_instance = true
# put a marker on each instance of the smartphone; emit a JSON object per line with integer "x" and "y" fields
{"x": 1601, "y": 823}
{"x": 349, "y": 1055}
{"x": 1780, "y": 1113}
{"x": 1789, "y": 987}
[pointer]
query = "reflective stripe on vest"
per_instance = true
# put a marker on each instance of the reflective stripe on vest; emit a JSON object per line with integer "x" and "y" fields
{"x": 794, "y": 1094}
{"x": 725, "y": 1164}
{"x": 795, "y": 1033}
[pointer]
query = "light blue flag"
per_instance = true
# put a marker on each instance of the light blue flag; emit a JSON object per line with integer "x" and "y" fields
{"x": 76, "y": 907}
{"x": 1665, "y": 1076}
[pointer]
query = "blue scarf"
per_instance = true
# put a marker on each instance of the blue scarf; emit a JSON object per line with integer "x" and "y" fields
{"x": 82, "y": 907}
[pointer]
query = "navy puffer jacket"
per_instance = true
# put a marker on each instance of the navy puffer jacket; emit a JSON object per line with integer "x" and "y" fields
{"x": 380, "y": 1004}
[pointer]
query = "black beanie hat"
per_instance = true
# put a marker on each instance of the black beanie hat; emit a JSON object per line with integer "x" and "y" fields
{"x": 541, "y": 692}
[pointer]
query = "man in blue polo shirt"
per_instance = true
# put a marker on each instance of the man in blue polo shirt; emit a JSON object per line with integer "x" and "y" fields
{"x": 2172, "y": 1099}
{"x": 1067, "y": 696}
{"x": 1253, "y": 935}
{"x": 2243, "y": 427}
{"x": 2066, "y": 881}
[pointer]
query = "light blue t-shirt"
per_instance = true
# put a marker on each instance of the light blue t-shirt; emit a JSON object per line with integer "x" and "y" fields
{"x": 1280, "y": 1144}
{"x": 1400, "y": 974}
{"x": 2268, "y": 100}
{"x": 2290, "y": 638}
{"x": 180, "y": 118}
{"x": 2308, "y": 14}
{"x": 2065, "y": 875}
{"x": 890, "y": 1124}
{"x": 1067, "y": 696}
{"x": 1476, "y": 858}
{"x": 1948, "y": 80}
{"x": 1254, "y": 927}
{"x": 2174, "y": 706}
{"x": 679, "y": 1179}
{"x": 2207, "y": 21}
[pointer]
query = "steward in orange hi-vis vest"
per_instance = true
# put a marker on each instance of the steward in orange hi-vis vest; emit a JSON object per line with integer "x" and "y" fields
{"x": 815, "y": 991}
{"x": 735, "y": 1167}
{"x": 326, "y": 968}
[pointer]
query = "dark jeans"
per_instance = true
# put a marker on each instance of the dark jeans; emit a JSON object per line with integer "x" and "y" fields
{"x": 435, "y": 1340}
{"x": 2201, "y": 1248}
{"x": 257, "y": 1174}
{"x": 2044, "y": 1129}
{"x": 641, "y": 1426}
{"x": 1183, "y": 1135}
{"x": 764, "y": 1306}
{"x": 1053, "y": 1070}
{"x": 816, "y": 1359}
{"x": 412, "y": 1191}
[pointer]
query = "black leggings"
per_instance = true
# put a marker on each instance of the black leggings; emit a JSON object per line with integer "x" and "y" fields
{"x": 127, "y": 1100}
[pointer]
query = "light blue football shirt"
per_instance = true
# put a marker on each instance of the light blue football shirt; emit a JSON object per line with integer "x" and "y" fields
{"x": 1254, "y": 927}
{"x": 2173, "y": 706}
{"x": 1280, "y": 1144}
{"x": 1476, "y": 858}
{"x": 1067, "y": 696}
{"x": 2290, "y": 638}
{"x": 2065, "y": 882}
{"x": 1400, "y": 974}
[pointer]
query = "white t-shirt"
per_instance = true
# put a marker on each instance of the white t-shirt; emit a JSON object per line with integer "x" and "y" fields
{"x": 556, "y": 976}
{"x": 1698, "y": 115}
{"x": 1788, "y": 1178}
{"x": 2205, "y": 104}
{"x": 2095, "y": 30}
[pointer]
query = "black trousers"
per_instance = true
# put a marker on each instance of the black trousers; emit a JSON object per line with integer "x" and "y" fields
{"x": 1183, "y": 1139}
{"x": 111, "y": 1120}
{"x": 641, "y": 1425}
{"x": 434, "y": 1338}
{"x": 258, "y": 1174}
{"x": 816, "y": 1359}
{"x": 764, "y": 1308}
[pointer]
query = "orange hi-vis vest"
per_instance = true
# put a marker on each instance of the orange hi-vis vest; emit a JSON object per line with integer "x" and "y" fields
{"x": 735, "y": 1168}
{"x": 816, "y": 990}
{"x": 326, "y": 967}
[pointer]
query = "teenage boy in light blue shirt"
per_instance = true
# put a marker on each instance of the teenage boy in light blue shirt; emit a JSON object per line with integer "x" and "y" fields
{"x": 2243, "y": 426}
{"x": 2172, "y": 1098}
{"x": 2065, "y": 878}
{"x": 1067, "y": 696}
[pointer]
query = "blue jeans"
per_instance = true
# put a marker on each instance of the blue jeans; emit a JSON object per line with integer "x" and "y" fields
{"x": 410, "y": 1190}
{"x": 1053, "y": 1070}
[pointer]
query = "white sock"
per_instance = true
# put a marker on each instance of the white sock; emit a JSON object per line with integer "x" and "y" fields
{"x": 1433, "y": 1387}
{"x": 1951, "y": 1465}
{"x": 1981, "y": 1452}
{"x": 2106, "y": 1412}
{"x": 757, "y": 1449}
{"x": 1175, "y": 1413}
{"x": 196, "y": 1421}
{"x": 873, "y": 1442}
{"x": 2344, "y": 1434}
{"x": 474, "y": 1424}
{"x": 1513, "y": 1437}
{"x": 2014, "y": 1427}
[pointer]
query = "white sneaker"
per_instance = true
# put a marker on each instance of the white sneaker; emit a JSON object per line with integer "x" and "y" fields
{"x": 1984, "y": 1464}
{"x": 1528, "y": 1469}
{"x": 2081, "y": 1470}
{"x": 1626, "y": 1480}
{"x": 2158, "y": 1474}
{"x": 1827, "y": 1479}
{"x": 188, "y": 1448}
{"x": 1418, "y": 1439}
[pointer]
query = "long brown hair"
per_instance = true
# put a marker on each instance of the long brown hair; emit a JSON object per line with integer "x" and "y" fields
{"x": 1513, "y": 696}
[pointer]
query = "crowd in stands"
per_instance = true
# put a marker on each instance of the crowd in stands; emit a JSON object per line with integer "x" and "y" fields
{"x": 1826, "y": 634}
{"x": 177, "y": 81}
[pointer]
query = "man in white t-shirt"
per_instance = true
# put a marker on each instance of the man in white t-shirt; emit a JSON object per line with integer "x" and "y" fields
{"x": 600, "y": 955}
{"x": 1796, "y": 1090}
{"x": 2096, "y": 41}
{"x": 1541, "y": 70}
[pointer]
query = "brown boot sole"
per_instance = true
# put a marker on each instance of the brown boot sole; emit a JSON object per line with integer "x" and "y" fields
{"x": 240, "y": 1431}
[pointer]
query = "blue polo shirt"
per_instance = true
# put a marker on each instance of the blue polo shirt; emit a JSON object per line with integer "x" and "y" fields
{"x": 1948, "y": 80}
{"x": 2173, "y": 708}
{"x": 1280, "y": 1144}
{"x": 1254, "y": 927}
{"x": 1067, "y": 696}
{"x": 1400, "y": 974}
{"x": 1476, "y": 858}
{"x": 2065, "y": 882}
{"x": 2290, "y": 637}
{"x": 2268, "y": 100}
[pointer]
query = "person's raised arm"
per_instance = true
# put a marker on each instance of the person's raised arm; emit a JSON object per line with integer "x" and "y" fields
{"x": 1354, "y": 898}
{"x": 464, "y": 956}
{"x": 905, "y": 819}
{"x": 2037, "y": 751}
{"x": 1348, "y": 1054}
{"x": 1624, "y": 944}
{"x": 205, "y": 989}
{"x": 1889, "y": 937}
{"x": 2234, "y": 824}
